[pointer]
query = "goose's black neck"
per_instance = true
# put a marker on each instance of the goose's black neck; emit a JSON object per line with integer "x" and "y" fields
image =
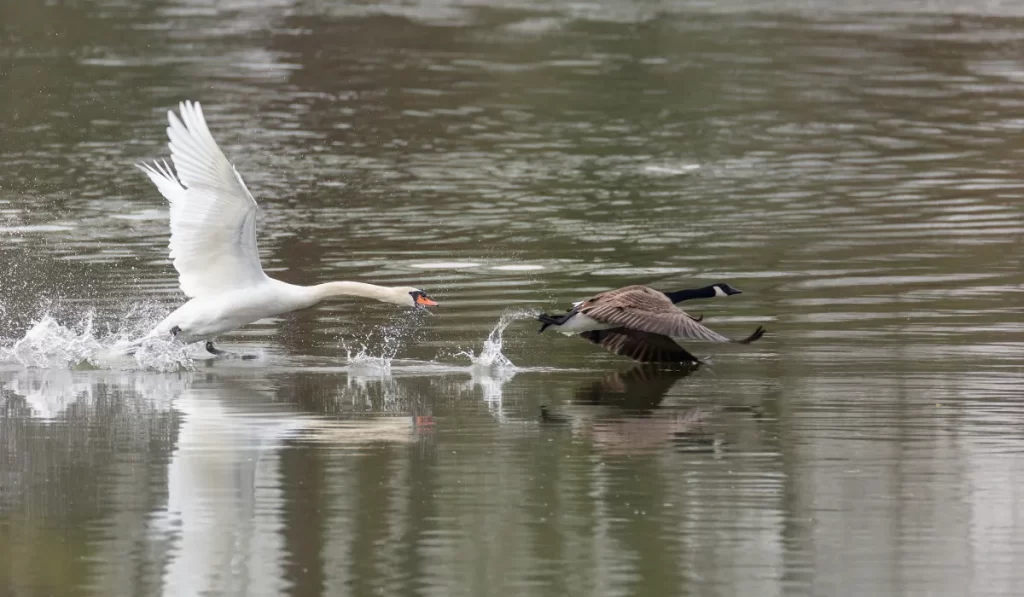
{"x": 691, "y": 293}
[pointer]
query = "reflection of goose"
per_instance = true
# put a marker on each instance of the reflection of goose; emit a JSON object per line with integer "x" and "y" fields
{"x": 398, "y": 429}
{"x": 638, "y": 322}
{"x": 686, "y": 430}
{"x": 213, "y": 244}
{"x": 642, "y": 387}
{"x": 621, "y": 413}
{"x": 550, "y": 417}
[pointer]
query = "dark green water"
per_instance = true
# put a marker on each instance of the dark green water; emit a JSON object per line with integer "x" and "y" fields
{"x": 856, "y": 173}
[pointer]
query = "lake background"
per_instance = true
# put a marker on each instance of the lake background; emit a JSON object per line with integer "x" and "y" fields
{"x": 857, "y": 173}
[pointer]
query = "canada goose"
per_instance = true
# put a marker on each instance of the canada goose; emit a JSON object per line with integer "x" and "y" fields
{"x": 720, "y": 289}
{"x": 213, "y": 244}
{"x": 637, "y": 322}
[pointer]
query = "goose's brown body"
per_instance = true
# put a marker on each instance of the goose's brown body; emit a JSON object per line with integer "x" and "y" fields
{"x": 640, "y": 323}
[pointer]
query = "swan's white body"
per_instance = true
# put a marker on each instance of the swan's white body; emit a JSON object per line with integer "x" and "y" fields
{"x": 213, "y": 243}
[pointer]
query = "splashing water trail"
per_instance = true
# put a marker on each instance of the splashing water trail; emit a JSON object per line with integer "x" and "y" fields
{"x": 48, "y": 344}
{"x": 491, "y": 356}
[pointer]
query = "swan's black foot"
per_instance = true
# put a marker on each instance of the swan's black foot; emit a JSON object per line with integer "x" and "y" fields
{"x": 175, "y": 331}
{"x": 223, "y": 353}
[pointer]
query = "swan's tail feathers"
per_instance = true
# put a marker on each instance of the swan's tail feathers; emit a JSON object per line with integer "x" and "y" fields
{"x": 163, "y": 177}
{"x": 752, "y": 337}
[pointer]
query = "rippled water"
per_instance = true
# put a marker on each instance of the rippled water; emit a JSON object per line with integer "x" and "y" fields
{"x": 856, "y": 172}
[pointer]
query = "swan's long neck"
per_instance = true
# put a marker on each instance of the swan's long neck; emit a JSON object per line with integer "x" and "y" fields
{"x": 332, "y": 289}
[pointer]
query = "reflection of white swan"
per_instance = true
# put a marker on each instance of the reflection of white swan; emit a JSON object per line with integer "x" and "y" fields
{"x": 49, "y": 392}
{"x": 224, "y": 498}
{"x": 225, "y": 503}
{"x": 80, "y": 412}
{"x": 213, "y": 244}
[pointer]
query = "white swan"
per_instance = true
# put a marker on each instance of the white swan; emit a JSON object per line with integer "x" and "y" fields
{"x": 213, "y": 244}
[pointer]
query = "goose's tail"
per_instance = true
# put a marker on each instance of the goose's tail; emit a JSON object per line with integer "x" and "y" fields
{"x": 549, "y": 320}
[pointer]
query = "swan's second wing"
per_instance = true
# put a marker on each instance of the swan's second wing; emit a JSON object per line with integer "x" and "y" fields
{"x": 213, "y": 214}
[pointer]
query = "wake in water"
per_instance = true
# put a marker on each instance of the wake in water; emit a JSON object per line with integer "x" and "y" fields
{"x": 48, "y": 344}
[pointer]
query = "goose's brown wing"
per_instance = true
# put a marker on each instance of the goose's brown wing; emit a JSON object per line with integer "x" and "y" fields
{"x": 641, "y": 346}
{"x": 636, "y": 295}
{"x": 647, "y": 310}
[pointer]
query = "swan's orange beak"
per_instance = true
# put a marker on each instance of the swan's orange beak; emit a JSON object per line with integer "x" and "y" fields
{"x": 425, "y": 301}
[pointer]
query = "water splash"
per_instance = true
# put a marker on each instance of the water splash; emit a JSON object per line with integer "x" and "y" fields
{"x": 403, "y": 329}
{"x": 491, "y": 356}
{"x": 48, "y": 344}
{"x": 364, "y": 363}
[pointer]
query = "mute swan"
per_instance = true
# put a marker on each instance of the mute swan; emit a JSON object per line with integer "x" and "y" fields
{"x": 638, "y": 322}
{"x": 213, "y": 244}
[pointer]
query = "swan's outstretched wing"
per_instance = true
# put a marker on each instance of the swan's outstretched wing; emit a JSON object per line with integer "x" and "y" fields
{"x": 213, "y": 214}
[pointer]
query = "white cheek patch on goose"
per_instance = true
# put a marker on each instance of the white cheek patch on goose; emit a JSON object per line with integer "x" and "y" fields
{"x": 719, "y": 292}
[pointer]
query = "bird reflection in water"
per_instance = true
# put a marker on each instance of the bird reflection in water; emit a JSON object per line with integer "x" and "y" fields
{"x": 622, "y": 413}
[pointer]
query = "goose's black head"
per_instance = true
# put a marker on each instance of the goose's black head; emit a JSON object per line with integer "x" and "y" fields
{"x": 715, "y": 290}
{"x": 723, "y": 289}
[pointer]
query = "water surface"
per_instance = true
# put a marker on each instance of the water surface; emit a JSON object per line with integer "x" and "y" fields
{"x": 855, "y": 172}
